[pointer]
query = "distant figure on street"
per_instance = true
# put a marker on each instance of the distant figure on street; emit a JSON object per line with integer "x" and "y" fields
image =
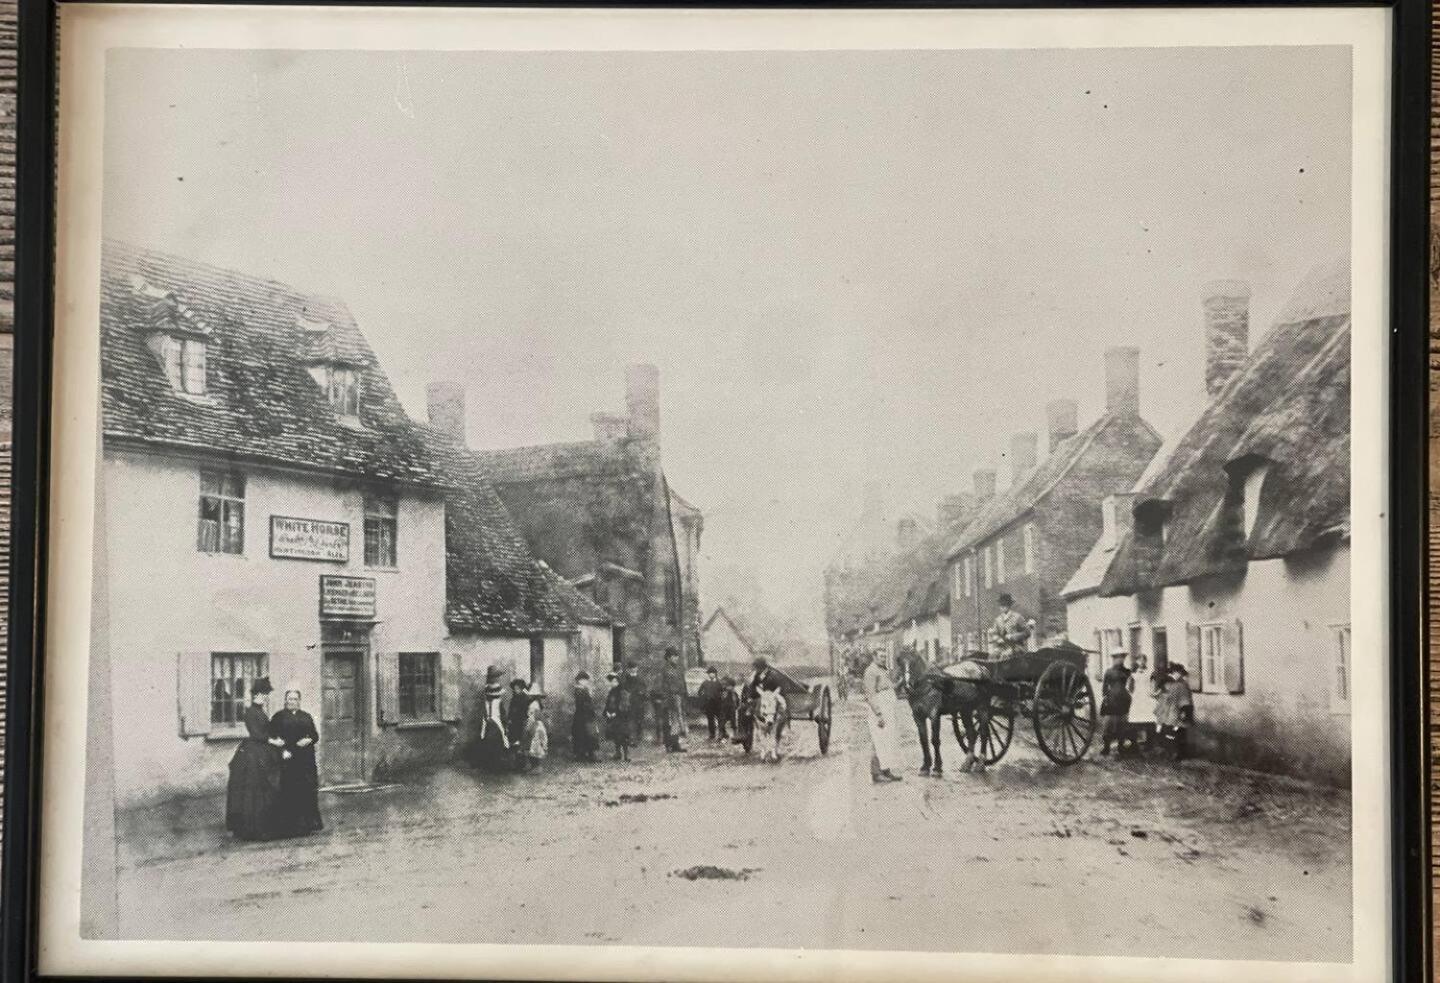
{"x": 584, "y": 735}
{"x": 712, "y": 701}
{"x": 1009, "y": 631}
{"x": 673, "y": 693}
{"x": 1175, "y": 710}
{"x": 516, "y": 716}
{"x": 297, "y": 803}
{"x": 537, "y": 738}
{"x": 254, "y": 772}
{"x": 770, "y": 710}
{"x": 618, "y": 716}
{"x": 1115, "y": 689}
{"x": 880, "y": 697}
{"x": 639, "y": 697}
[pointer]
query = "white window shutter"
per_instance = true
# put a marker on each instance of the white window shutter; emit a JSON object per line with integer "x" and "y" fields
{"x": 1192, "y": 656}
{"x": 193, "y": 691}
{"x": 389, "y": 687}
{"x": 1233, "y": 637}
{"x": 450, "y": 687}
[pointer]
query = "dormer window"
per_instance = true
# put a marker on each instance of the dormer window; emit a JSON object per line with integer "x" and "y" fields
{"x": 1150, "y": 519}
{"x": 1247, "y": 480}
{"x": 184, "y": 361}
{"x": 343, "y": 387}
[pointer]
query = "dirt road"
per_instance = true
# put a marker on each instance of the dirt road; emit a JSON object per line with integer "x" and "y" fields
{"x": 712, "y": 848}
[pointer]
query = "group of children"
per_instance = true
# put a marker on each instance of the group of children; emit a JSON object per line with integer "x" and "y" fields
{"x": 1174, "y": 706}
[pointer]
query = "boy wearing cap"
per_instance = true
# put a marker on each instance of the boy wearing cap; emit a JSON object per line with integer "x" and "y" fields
{"x": 1115, "y": 689}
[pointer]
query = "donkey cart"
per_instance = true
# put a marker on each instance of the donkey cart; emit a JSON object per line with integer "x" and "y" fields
{"x": 1049, "y": 687}
{"x": 805, "y": 699}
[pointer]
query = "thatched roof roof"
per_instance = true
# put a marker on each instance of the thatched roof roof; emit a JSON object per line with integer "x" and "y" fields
{"x": 1288, "y": 407}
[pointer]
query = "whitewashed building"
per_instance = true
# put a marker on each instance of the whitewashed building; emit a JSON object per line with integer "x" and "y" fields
{"x": 1232, "y": 554}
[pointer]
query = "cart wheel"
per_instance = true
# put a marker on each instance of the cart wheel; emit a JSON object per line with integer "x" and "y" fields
{"x": 1064, "y": 713}
{"x": 822, "y": 721}
{"x": 994, "y": 725}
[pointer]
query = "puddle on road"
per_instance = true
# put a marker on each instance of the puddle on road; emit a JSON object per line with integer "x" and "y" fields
{"x": 709, "y": 872}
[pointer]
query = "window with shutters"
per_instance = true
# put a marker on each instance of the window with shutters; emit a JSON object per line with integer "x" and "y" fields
{"x": 989, "y": 569}
{"x": 969, "y": 574}
{"x": 1000, "y": 560}
{"x": 419, "y": 686}
{"x": 232, "y": 680}
{"x": 957, "y": 577}
{"x": 1212, "y": 658}
{"x": 1340, "y": 669}
{"x": 184, "y": 363}
{"x": 381, "y": 518}
{"x": 1028, "y": 543}
{"x": 343, "y": 389}
{"x": 222, "y": 513}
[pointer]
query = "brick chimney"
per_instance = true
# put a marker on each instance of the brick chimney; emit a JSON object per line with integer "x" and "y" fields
{"x": 1122, "y": 381}
{"x": 1023, "y": 455}
{"x": 984, "y": 484}
{"x": 445, "y": 405}
{"x": 1061, "y": 416}
{"x": 610, "y": 428}
{"x": 642, "y": 402}
{"x": 1227, "y": 331}
{"x": 953, "y": 509}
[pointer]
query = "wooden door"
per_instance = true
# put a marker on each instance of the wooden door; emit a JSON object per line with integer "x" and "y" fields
{"x": 342, "y": 757}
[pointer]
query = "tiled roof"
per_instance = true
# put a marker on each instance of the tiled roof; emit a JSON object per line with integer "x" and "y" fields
{"x": 546, "y": 462}
{"x": 1290, "y": 405}
{"x": 492, "y": 581}
{"x": 1006, "y": 507}
{"x": 261, "y": 402}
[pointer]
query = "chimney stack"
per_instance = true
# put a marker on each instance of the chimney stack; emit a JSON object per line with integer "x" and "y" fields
{"x": 984, "y": 484}
{"x": 1227, "y": 331}
{"x": 953, "y": 509}
{"x": 609, "y": 428}
{"x": 1061, "y": 418}
{"x": 1023, "y": 455}
{"x": 445, "y": 406}
{"x": 1122, "y": 381}
{"x": 642, "y": 402}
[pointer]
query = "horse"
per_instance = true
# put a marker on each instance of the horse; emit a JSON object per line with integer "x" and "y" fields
{"x": 768, "y": 715}
{"x": 924, "y": 687}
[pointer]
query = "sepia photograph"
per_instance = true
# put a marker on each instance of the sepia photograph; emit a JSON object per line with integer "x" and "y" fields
{"x": 890, "y": 500}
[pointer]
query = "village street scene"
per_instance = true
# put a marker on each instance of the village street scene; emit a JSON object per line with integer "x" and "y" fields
{"x": 722, "y": 551}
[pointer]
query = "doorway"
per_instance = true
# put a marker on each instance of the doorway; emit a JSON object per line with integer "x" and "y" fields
{"x": 342, "y": 744}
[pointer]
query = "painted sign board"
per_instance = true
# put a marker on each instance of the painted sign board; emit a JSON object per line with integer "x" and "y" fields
{"x": 347, "y": 597}
{"x": 309, "y": 539}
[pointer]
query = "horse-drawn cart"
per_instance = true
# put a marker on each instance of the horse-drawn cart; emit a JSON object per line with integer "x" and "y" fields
{"x": 1048, "y": 687}
{"x": 808, "y": 696}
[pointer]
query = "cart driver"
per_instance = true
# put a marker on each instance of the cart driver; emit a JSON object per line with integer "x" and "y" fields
{"x": 1010, "y": 631}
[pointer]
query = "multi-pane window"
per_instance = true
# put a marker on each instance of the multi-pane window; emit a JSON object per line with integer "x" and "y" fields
{"x": 989, "y": 568}
{"x": 344, "y": 390}
{"x": 222, "y": 513}
{"x": 1028, "y": 543}
{"x": 969, "y": 574}
{"x": 232, "y": 676}
{"x": 1212, "y": 658}
{"x": 419, "y": 686}
{"x": 184, "y": 364}
{"x": 958, "y": 578}
{"x": 380, "y": 529}
{"x": 1000, "y": 560}
{"x": 1340, "y": 669}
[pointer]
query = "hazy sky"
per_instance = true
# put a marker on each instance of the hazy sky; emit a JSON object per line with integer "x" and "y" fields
{"x": 848, "y": 266}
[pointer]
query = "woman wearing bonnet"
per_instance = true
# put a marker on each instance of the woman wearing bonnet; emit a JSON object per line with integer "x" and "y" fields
{"x": 254, "y": 772}
{"x": 297, "y": 803}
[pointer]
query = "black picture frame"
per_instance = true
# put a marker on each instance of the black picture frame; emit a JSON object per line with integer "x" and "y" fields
{"x": 1409, "y": 450}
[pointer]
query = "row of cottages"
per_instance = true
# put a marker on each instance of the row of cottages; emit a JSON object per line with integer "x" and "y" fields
{"x": 602, "y": 516}
{"x": 296, "y": 524}
{"x": 1232, "y": 554}
{"x": 1029, "y": 540}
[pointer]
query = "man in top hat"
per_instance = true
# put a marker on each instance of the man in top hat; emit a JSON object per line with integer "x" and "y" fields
{"x": 1116, "y": 687}
{"x": 1175, "y": 709}
{"x": 1009, "y": 631}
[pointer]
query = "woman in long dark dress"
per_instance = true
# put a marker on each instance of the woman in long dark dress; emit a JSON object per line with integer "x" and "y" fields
{"x": 297, "y": 804}
{"x": 490, "y": 749}
{"x": 254, "y": 772}
{"x": 584, "y": 738}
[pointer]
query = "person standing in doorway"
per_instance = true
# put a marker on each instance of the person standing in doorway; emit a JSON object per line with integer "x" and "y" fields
{"x": 672, "y": 702}
{"x": 1115, "y": 689}
{"x": 880, "y": 697}
{"x": 618, "y": 716}
{"x": 712, "y": 696}
{"x": 584, "y": 738}
{"x": 297, "y": 803}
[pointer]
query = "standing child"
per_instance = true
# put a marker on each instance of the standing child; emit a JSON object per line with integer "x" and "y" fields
{"x": 1175, "y": 710}
{"x": 618, "y": 716}
{"x": 537, "y": 738}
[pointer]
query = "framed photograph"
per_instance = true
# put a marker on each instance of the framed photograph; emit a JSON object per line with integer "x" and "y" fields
{"x": 583, "y": 493}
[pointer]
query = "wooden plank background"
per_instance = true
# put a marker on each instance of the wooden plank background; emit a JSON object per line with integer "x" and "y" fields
{"x": 8, "y": 9}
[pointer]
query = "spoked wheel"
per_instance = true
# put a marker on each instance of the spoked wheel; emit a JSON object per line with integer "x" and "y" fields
{"x": 1064, "y": 713}
{"x": 994, "y": 727}
{"x": 822, "y": 721}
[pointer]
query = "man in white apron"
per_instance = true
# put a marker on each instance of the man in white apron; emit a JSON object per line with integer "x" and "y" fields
{"x": 880, "y": 697}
